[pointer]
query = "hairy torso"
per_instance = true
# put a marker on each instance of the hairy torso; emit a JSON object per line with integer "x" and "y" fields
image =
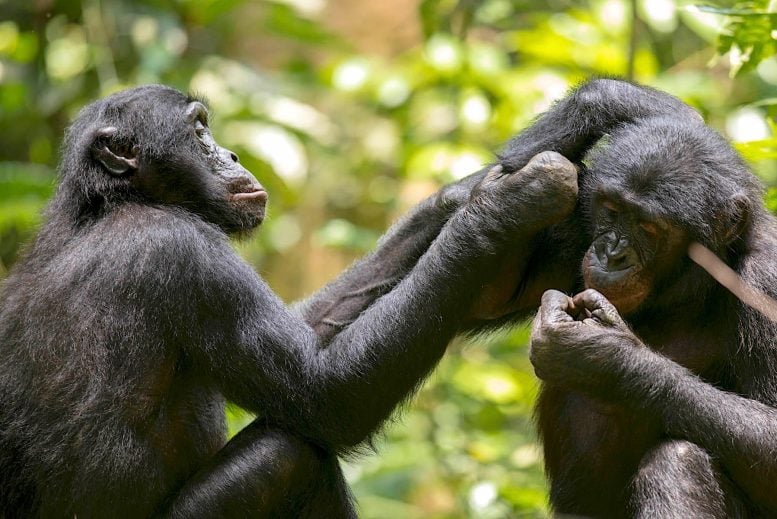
{"x": 605, "y": 440}
{"x": 124, "y": 344}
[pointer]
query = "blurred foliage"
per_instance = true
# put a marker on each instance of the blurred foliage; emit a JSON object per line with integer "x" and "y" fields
{"x": 349, "y": 112}
{"x": 748, "y": 36}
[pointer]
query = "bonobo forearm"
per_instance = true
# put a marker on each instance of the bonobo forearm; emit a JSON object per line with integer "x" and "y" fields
{"x": 379, "y": 359}
{"x": 335, "y": 306}
{"x": 339, "y": 303}
{"x": 379, "y": 369}
{"x": 346, "y": 388}
{"x": 595, "y": 108}
{"x": 740, "y": 433}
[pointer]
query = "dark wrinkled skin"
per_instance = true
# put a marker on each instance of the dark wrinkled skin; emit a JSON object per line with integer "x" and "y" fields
{"x": 659, "y": 387}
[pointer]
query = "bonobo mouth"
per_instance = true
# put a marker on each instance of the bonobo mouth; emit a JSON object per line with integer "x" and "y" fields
{"x": 259, "y": 195}
{"x": 248, "y": 200}
{"x": 248, "y": 192}
{"x": 622, "y": 288}
{"x": 626, "y": 288}
{"x": 251, "y": 192}
{"x": 616, "y": 277}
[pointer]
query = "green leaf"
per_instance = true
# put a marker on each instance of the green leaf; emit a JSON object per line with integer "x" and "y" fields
{"x": 771, "y": 200}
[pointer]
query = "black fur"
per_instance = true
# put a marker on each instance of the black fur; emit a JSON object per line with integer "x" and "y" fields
{"x": 669, "y": 412}
{"x": 130, "y": 320}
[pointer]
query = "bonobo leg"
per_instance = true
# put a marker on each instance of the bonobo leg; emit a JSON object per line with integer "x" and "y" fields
{"x": 679, "y": 479}
{"x": 265, "y": 472}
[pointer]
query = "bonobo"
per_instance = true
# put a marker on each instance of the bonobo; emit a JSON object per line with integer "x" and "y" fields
{"x": 130, "y": 320}
{"x": 659, "y": 387}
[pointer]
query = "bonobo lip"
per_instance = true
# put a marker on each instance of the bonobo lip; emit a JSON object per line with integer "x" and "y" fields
{"x": 249, "y": 192}
{"x": 259, "y": 194}
{"x": 602, "y": 277}
{"x": 625, "y": 268}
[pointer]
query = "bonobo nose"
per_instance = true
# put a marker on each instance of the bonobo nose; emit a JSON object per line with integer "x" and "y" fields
{"x": 618, "y": 254}
{"x": 616, "y": 251}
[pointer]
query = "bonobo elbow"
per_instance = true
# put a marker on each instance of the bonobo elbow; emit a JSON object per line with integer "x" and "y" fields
{"x": 348, "y": 435}
{"x": 593, "y": 91}
{"x": 350, "y": 441}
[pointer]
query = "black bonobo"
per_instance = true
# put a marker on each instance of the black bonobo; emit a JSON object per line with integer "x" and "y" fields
{"x": 130, "y": 320}
{"x": 659, "y": 387}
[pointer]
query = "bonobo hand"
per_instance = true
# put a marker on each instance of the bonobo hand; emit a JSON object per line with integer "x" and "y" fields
{"x": 581, "y": 342}
{"x": 540, "y": 194}
{"x": 515, "y": 207}
{"x": 452, "y": 196}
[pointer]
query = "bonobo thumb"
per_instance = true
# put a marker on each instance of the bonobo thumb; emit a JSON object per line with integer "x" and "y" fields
{"x": 554, "y": 309}
{"x": 598, "y": 307}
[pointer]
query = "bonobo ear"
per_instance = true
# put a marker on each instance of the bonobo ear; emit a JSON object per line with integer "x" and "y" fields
{"x": 739, "y": 218}
{"x": 118, "y": 160}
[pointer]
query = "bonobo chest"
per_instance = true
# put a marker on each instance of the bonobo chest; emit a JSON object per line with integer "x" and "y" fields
{"x": 702, "y": 349}
{"x": 592, "y": 449}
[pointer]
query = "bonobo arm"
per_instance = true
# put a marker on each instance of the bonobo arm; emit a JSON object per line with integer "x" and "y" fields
{"x": 601, "y": 356}
{"x": 273, "y": 362}
{"x": 339, "y": 303}
{"x": 570, "y": 127}
{"x": 574, "y": 124}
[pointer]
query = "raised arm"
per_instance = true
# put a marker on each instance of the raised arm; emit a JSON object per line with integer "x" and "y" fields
{"x": 570, "y": 127}
{"x": 574, "y": 124}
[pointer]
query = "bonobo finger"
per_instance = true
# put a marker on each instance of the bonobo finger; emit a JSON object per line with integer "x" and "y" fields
{"x": 470, "y": 181}
{"x": 556, "y": 307}
{"x": 550, "y": 160}
{"x": 598, "y": 306}
{"x": 496, "y": 171}
{"x": 452, "y": 196}
{"x": 491, "y": 179}
{"x": 554, "y": 165}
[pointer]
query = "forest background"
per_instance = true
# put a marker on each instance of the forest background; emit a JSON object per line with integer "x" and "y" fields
{"x": 351, "y": 111}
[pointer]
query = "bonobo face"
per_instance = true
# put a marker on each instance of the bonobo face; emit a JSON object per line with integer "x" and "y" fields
{"x": 155, "y": 141}
{"x": 244, "y": 195}
{"x": 631, "y": 251}
{"x": 652, "y": 189}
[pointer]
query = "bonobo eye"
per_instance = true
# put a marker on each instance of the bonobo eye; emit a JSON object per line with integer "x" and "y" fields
{"x": 649, "y": 227}
{"x": 610, "y": 206}
{"x": 610, "y": 209}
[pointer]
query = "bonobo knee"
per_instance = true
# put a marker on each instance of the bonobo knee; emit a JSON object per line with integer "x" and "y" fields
{"x": 678, "y": 479}
{"x": 290, "y": 458}
{"x": 260, "y": 469}
{"x": 675, "y": 451}
{"x": 675, "y": 458}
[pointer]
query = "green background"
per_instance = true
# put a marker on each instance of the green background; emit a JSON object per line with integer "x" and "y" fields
{"x": 349, "y": 112}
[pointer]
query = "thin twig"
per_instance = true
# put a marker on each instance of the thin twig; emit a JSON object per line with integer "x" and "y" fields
{"x": 727, "y": 277}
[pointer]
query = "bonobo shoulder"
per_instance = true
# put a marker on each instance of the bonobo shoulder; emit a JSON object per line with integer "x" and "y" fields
{"x": 162, "y": 248}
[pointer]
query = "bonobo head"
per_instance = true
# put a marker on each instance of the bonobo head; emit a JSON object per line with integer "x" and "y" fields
{"x": 152, "y": 145}
{"x": 658, "y": 185}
